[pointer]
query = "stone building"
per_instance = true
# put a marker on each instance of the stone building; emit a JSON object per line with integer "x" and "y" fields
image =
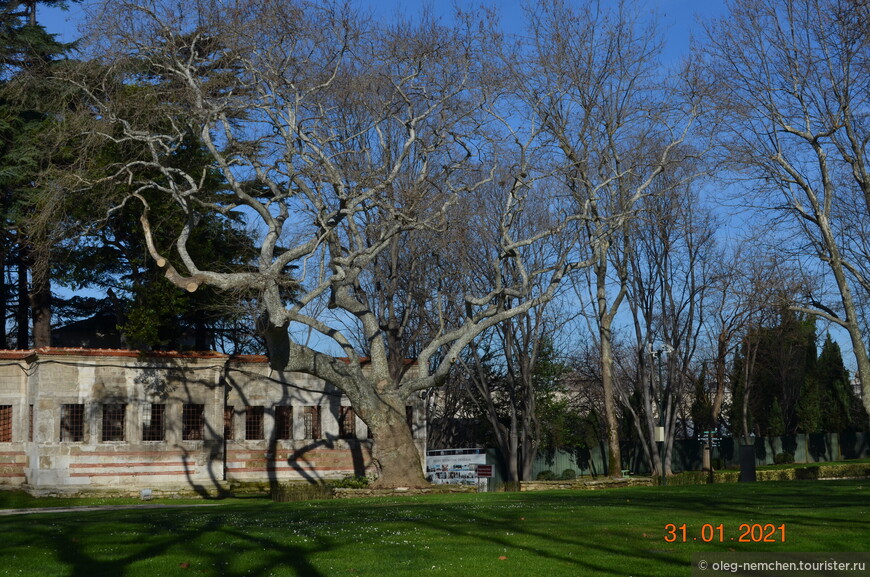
{"x": 81, "y": 420}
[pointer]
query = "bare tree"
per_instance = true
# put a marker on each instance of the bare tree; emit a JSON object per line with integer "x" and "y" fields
{"x": 790, "y": 78}
{"x": 346, "y": 141}
{"x": 596, "y": 88}
{"x": 503, "y": 371}
{"x": 731, "y": 305}
{"x": 669, "y": 276}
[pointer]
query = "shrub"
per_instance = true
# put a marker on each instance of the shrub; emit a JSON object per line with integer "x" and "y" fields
{"x": 545, "y": 476}
{"x": 776, "y": 475}
{"x": 685, "y": 478}
{"x": 845, "y": 471}
{"x": 568, "y": 475}
{"x": 783, "y": 458}
{"x": 351, "y": 482}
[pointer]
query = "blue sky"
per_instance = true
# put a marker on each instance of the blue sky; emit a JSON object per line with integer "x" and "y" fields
{"x": 677, "y": 17}
{"x": 679, "y": 21}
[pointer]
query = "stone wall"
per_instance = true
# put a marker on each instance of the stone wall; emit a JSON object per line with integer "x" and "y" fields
{"x": 117, "y": 420}
{"x": 588, "y": 485}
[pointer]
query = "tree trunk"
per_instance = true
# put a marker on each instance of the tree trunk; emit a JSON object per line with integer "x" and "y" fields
{"x": 394, "y": 451}
{"x": 529, "y": 440}
{"x": 744, "y": 416}
{"x": 835, "y": 263}
{"x": 4, "y": 300}
{"x": 506, "y": 441}
{"x": 863, "y": 363}
{"x": 720, "y": 366}
{"x": 40, "y": 311}
{"x": 614, "y": 460}
{"x": 22, "y": 315}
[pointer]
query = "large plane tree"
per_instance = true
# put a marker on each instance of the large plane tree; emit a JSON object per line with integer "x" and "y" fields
{"x": 342, "y": 142}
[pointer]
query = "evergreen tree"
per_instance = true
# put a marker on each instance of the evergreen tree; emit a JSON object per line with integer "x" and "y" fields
{"x": 835, "y": 393}
{"x": 27, "y": 117}
{"x": 103, "y": 247}
{"x": 776, "y": 421}
{"x": 108, "y": 253}
{"x": 785, "y": 357}
{"x": 809, "y": 413}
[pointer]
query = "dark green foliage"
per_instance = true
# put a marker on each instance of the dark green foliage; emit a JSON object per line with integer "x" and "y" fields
{"x": 836, "y": 398}
{"x": 785, "y": 356}
{"x": 793, "y": 390}
{"x": 107, "y": 251}
{"x": 776, "y": 422}
{"x": 351, "y": 482}
{"x": 565, "y": 425}
{"x": 24, "y": 44}
{"x": 568, "y": 475}
{"x": 783, "y": 458}
{"x": 809, "y": 407}
{"x": 31, "y": 104}
{"x": 546, "y": 476}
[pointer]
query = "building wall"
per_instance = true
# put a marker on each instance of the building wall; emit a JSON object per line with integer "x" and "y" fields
{"x": 225, "y": 419}
{"x": 13, "y": 405}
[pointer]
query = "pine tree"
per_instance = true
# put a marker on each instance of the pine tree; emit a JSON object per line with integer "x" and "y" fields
{"x": 776, "y": 422}
{"x": 786, "y": 355}
{"x": 809, "y": 413}
{"x": 835, "y": 394}
{"x": 27, "y": 54}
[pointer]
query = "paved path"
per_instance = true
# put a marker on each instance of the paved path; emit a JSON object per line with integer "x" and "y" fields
{"x": 85, "y": 509}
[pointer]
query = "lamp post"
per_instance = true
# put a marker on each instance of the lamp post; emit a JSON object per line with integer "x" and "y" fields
{"x": 656, "y": 354}
{"x": 662, "y": 416}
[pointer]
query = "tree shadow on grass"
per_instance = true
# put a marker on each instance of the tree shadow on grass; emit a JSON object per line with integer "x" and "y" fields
{"x": 613, "y": 532}
{"x": 127, "y": 543}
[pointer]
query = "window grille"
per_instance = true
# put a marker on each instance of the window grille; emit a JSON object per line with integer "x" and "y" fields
{"x": 72, "y": 423}
{"x": 5, "y": 423}
{"x": 192, "y": 422}
{"x": 284, "y": 422}
{"x": 346, "y": 423}
{"x": 30, "y": 424}
{"x": 311, "y": 418}
{"x": 154, "y": 427}
{"x": 113, "y": 422}
{"x": 254, "y": 423}
{"x": 229, "y": 430}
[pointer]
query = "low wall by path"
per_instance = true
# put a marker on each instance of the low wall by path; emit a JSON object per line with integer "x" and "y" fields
{"x": 402, "y": 491}
{"x": 587, "y": 485}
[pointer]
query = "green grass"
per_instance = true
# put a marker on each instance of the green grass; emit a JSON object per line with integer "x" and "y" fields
{"x": 570, "y": 533}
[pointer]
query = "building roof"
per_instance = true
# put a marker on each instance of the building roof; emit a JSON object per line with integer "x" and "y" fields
{"x": 17, "y": 355}
{"x": 88, "y": 352}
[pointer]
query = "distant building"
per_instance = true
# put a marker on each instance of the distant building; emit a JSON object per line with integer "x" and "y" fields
{"x": 81, "y": 420}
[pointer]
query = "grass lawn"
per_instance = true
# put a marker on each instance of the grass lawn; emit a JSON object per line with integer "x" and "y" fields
{"x": 550, "y": 534}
